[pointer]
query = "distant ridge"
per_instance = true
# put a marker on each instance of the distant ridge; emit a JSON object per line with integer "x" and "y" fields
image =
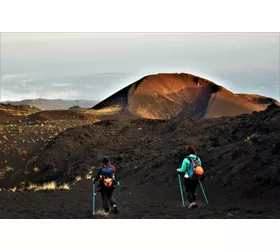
{"x": 52, "y": 104}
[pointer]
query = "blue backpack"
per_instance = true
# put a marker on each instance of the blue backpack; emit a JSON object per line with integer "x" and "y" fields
{"x": 107, "y": 176}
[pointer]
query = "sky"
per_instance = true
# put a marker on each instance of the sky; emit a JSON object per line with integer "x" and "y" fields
{"x": 93, "y": 66}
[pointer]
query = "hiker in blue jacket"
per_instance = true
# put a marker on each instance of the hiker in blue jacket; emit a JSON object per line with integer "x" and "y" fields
{"x": 190, "y": 184}
{"x": 107, "y": 182}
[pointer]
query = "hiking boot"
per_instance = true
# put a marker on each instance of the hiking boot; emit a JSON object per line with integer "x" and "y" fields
{"x": 192, "y": 205}
{"x": 115, "y": 209}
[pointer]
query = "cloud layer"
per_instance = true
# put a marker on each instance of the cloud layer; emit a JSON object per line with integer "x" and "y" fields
{"x": 95, "y": 65}
{"x": 89, "y": 87}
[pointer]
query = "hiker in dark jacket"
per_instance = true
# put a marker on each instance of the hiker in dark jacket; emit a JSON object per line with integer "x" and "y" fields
{"x": 190, "y": 184}
{"x": 107, "y": 178}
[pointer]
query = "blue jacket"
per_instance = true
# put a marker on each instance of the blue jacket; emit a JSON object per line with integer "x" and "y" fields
{"x": 106, "y": 172}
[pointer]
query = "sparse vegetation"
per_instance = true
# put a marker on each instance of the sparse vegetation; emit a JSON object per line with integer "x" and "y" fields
{"x": 18, "y": 110}
{"x": 14, "y": 189}
{"x": 19, "y": 140}
{"x": 89, "y": 176}
{"x": 32, "y": 186}
{"x": 248, "y": 139}
{"x": 47, "y": 186}
{"x": 4, "y": 171}
{"x": 36, "y": 170}
{"x": 78, "y": 178}
{"x": 44, "y": 187}
{"x": 8, "y": 169}
{"x": 64, "y": 187}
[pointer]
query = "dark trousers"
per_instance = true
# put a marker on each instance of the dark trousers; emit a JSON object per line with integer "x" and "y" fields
{"x": 107, "y": 195}
{"x": 190, "y": 187}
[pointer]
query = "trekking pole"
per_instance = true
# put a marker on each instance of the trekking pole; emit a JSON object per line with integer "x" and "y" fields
{"x": 93, "y": 199}
{"x": 119, "y": 190}
{"x": 203, "y": 192}
{"x": 181, "y": 190}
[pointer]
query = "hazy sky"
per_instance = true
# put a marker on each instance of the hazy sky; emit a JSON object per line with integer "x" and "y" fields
{"x": 95, "y": 65}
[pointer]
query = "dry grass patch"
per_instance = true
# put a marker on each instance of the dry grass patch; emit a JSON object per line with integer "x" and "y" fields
{"x": 78, "y": 178}
{"x": 31, "y": 186}
{"x": 36, "y": 170}
{"x": 48, "y": 186}
{"x": 248, "y": 139}
{"x": 8, "y": 169}
{"x": 14, "y": 189}
{"x": 88, "y": 176}
{"x": 64, "y": 187}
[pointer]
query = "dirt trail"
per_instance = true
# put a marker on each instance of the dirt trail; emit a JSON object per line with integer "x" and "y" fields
{"x": 139, "y": 203}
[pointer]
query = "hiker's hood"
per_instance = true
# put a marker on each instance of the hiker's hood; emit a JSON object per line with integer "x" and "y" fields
{"x": 193, "y": 157}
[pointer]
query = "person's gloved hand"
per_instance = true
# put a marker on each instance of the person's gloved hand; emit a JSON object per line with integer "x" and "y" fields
{"x": 118, "y": 183}
{"x": 93, "y": 181}
{"x": 177, "y": 170}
